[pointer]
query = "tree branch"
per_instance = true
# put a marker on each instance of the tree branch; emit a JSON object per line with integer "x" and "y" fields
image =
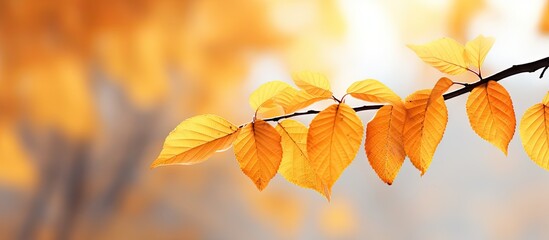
{"x": 514, "y": 70}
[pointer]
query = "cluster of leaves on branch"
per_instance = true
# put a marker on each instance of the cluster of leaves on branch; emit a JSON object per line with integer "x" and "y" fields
{"x": 315, "y": 156}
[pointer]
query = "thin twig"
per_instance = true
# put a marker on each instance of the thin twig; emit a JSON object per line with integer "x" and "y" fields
{"x": 543, "y": 72}
{"x": 292, "y": 115}
{"x": 478, "y": 74}
{"x": 514, "y": 70}
{"x": 462, "y": 84}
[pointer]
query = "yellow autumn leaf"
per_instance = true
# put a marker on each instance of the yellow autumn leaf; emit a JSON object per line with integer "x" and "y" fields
{"x": 302, "y": 100}
{"x": 289, "y": 100}
{"x": 476, "y": 50}
{"x": 315, "y": 84}
{"x": 292, "y": 100}
{"x": 424, "y": 127}
{"x": 444, "y": 54}
{"x": 333, "y": 141}
{"x": 385, "y": 143}
{"x": 442, "y": 85}
{"x": 296, "y": 166}
{"x": 286, "y": 97}
{"x": 196, "y": 139}
{"x": 534, "y": 133}
{"x": 259, "y": 152}
{"x": 263, "y": 96}
{"x": 491, "y": 114}
{"x": 373, "y": 91}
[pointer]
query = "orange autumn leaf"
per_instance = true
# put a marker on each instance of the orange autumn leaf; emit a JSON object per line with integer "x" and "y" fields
{"x": 534, "y": 132}
{"x": 373, "y": 91}
{"x": 333, "y": 141}
{"x": 442, "y": 85}
{"x": 424, "y": 127}
{"x": 259, "y": 152}
{"x": 477, "y": 49}
{"x": 196, "y": 139}
{"x": 296, "y": 166}
{"x": 315, "y": 84}
{"x": 385, "y": 143}
{"x": 444, "y": 54}
{"x": 491, "y": 114}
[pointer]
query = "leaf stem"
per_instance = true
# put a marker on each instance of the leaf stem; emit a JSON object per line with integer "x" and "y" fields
{"x": 479, "y": 75}
{"x": 343, "y": 98}
{"x": 462, "y": 84}
{"x": 542, "y": 72}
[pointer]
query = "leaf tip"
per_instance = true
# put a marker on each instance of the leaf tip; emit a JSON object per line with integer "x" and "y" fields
{"x": 326, "y": 192}
{"x": 156, "y": 163}
{"x": 504, "y": 150}
{"x": 503, "y": 147}
{"x": 260, "y": 185}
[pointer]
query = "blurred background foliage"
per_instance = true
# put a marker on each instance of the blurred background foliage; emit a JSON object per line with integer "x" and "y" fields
{"x": 89, "y": 90}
